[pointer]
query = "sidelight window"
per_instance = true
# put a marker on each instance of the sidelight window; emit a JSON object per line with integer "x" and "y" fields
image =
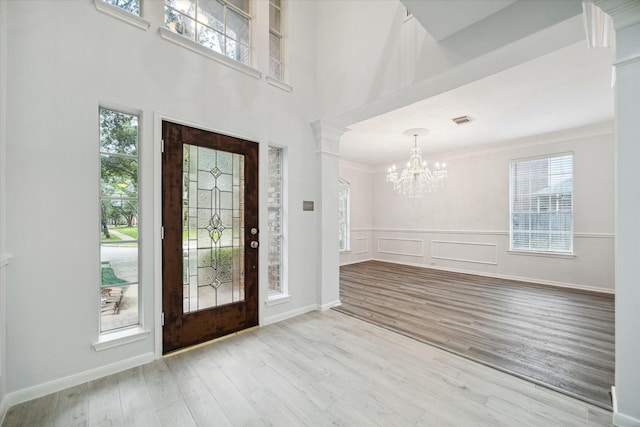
{"x": 541, "y": 204}
{"x": 277, "y": 284}
{"x": 119, "y": 201}
{"x": 343, "y": 214}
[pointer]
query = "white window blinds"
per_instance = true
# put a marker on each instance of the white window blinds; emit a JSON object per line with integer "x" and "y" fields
{"x": 541, "y": 204}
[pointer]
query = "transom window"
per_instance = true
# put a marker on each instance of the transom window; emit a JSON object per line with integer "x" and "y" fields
{"x": 118, "y": 220}
{"x": 343, "y": 214}
{"x": 223, "y": 26}
{"x": 541, "y": 200}
{"x": 275, "y": 39}
{"x": 131, "y": 6}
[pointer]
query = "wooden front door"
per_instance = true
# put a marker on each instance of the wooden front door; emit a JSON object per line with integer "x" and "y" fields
{"x": 209, "y": 249}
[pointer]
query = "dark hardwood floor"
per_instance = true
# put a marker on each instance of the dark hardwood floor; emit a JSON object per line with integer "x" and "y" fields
{"x": 560, "y": 338}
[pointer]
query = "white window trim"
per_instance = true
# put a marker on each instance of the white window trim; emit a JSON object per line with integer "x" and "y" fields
{"x": 120, "y": 337}
{"x": 273, "y": 297}
{"x": 276, "y": 298}
{"x": 208, "y": 53}
{"x": 279, "y": 84}
{"x": 549, "y": 254}
{"x": 565, "y": 255}
{"x": 122, "y": 15}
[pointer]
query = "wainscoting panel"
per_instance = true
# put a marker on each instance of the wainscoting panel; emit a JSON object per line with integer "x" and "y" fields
{"x": 361, "y": 245}
{"x": 400, "y": 246}
{"x": 480, "y": 253}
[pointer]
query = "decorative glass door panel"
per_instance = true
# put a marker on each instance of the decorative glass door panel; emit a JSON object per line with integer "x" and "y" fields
{"x": 209, "y": 261}
{"x": 213, "y": 228}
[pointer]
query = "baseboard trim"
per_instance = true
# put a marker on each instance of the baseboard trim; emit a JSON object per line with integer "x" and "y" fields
{"x": 34, "y": 392}
{"x": 355, "y": 262}
{"x": 507, "y": 277}
{"x": 329, "y": 305}
{"x": 298, "y": 311}
{"x": 288, "y": 314}
{"x": 621, "y": 420}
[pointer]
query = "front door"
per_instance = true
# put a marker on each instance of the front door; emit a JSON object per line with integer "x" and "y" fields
{"x": 209, "y": 249}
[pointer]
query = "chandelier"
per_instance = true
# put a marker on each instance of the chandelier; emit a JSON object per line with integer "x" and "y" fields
{"x": 417, "y": 179}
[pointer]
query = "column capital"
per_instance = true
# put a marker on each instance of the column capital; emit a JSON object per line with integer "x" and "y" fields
{"x": 624, "y": 12}
{"x": 327, "y": 136}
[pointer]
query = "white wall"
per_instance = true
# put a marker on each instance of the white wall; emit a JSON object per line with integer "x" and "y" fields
{"x": 360, "y": 211}
{"x": 64, "y": 59}
{"x": 4, "y": 258}
{"x": 627, "y": 410}
{"x": 371, "y": 59}
{"x": 465, "y": 225}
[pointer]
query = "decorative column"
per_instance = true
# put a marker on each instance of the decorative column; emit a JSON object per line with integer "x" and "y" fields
{"x": 626, "y": 17}
{"x": 328, "y": 154}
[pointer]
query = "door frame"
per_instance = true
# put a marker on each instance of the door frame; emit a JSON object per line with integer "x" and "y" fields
{"x": 158, "y": 118}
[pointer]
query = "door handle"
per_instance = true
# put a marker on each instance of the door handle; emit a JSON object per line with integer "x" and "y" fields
{"x": 255, "y": 244}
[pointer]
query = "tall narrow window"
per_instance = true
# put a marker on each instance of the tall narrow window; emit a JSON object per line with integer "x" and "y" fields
{"x": 542, "y": 204}
{"x": 275, "y": 39}
{"x": 343, "y": 214}
{"x": 220, "y": 25}
{"x": 118, "y": 220}
{"x": 275, "y": 218}
{"x": 131, "y": 6}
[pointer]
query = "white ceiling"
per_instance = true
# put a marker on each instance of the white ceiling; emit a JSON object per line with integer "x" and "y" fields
{"x": 566, "y": 89}
{"x": 443, "y": 18}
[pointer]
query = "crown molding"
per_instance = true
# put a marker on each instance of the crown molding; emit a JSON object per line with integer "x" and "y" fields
{"x": 357, "y": 166}
{"x": 604, "y": 128}
{"x": 624, "y": 13}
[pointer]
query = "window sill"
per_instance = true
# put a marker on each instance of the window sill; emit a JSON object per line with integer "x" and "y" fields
{"x": 345, "y": 252}
{"x": 122, "y": 15}
{"x": 208, "y": 53}
{"x": 118, "y": 338}
{"x": 279, "y": 84}
{"x": 544, "y": 254}
{"x": 277, "y": 299}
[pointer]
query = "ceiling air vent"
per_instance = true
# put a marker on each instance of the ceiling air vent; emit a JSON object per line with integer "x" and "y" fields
{"x": 461, "y": 120}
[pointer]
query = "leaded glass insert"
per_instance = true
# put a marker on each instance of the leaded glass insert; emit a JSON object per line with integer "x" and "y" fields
{"x": 213, "y": 228}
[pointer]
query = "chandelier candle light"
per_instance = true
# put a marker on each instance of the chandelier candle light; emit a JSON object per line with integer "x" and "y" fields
{"x": 417, "y": 179}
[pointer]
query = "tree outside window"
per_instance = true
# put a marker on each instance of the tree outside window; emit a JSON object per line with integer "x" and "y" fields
{"x": 119, "y": 201}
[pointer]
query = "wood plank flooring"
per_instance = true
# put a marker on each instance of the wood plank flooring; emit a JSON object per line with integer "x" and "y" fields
{"x": 560, "y": 338}
{"x": 317, "y": 369}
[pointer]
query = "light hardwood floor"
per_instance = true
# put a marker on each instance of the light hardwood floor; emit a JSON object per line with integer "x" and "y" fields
{"x": 562, "y": 338}
{"x": 318, "y": 369}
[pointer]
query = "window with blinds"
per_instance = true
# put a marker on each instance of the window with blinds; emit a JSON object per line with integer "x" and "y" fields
{"x": 541, "y": 204}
